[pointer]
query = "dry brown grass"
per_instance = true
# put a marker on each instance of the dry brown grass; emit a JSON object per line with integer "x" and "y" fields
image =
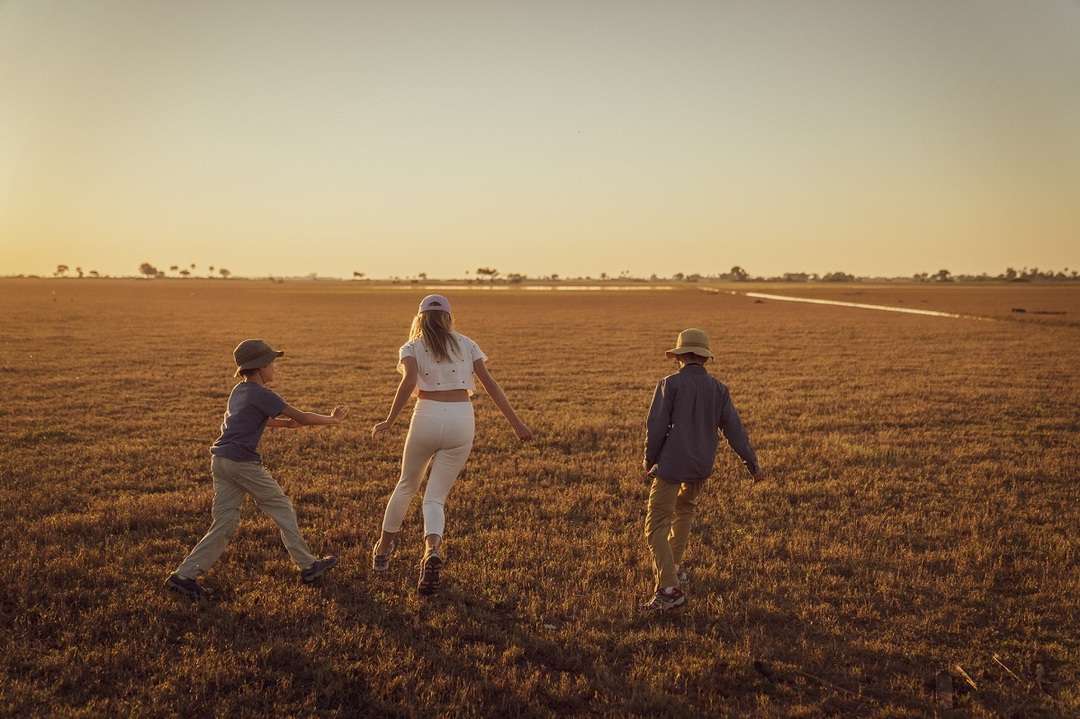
{"x": 922, "y": 510}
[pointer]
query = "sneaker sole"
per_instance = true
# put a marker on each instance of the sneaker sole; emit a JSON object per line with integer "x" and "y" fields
{"x": 653, "y": 609}
{"x": 429, "y": 576}
{"x": 185, "y": 593}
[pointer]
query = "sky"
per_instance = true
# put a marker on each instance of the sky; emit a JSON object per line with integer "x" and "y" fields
{"x": 393, "y": 138}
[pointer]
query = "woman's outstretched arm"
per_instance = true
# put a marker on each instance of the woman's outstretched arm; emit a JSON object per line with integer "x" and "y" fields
{"x": 499, "y": 397}
{"x": 404, "y": 390}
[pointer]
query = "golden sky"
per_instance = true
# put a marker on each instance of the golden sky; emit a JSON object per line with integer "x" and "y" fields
{"x": 577, "y": 138}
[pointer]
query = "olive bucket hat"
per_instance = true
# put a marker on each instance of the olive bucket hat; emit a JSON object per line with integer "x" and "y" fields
{"x": 691, "y": 341}
{"x": 254, "y": 354}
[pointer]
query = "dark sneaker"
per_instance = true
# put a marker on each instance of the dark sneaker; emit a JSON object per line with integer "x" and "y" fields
{"x": 682, "y": 574}
{"x": 429, "y": 574}
{"x": 187, "y": 588}
{"x": 665, "y": 600}
{"x": 319, "y": 568}
{"x": 381, "y": 562}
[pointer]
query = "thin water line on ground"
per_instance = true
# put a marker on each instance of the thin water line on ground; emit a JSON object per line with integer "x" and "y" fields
{"x": 864, "y": 306}
{"x": 858, "y": 305}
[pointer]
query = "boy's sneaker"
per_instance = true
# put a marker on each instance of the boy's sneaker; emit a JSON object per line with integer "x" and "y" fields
{"x": 319, "y": 568}
{"x": 682, "y": 574}
{"x": 665, "y": 600}
{"x": 187, "y": 588}
{"x": 429, "y": 574}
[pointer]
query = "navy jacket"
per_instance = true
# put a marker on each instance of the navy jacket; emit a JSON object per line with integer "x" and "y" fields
{"x": 681, "y": 437}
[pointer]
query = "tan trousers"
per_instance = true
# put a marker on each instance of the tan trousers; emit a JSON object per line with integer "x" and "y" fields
{"x": 667, "y": 526}
{"x": 232, "y": 482}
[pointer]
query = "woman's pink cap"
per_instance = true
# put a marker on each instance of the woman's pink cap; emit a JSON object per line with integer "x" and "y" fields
{"x": 435, "y": 302}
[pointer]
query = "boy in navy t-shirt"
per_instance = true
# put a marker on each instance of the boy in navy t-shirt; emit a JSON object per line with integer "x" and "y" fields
{"x": 238, "y": 471}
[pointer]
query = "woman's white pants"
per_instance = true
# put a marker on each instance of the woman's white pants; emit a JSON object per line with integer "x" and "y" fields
{"x": 441, "y": 433}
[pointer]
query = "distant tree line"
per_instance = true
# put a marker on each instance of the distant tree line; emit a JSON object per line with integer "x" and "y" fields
{"x": 491, "y": 275}
{"x": 145, "y": 269}
{"x": 148, "y": 270}
{"x": 1009, "y": 275}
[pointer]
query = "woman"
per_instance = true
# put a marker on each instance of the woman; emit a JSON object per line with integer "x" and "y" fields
{"x": 439, "y": 363}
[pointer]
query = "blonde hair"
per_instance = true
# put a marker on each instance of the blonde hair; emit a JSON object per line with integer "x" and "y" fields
{"x": 436, "y": 328}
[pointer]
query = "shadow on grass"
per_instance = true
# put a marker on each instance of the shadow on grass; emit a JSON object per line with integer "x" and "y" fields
{"x": 434, "y": 627}
{"x": 463, "y": 649}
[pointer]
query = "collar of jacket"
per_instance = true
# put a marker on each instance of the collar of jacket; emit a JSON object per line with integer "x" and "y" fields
{"x": 692, "y": 367}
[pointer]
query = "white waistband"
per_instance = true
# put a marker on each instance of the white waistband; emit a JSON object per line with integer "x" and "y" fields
{"x": 428, "y": 406}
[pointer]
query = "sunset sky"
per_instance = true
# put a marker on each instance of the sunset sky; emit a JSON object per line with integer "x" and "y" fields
{"x": 403, "y": 137}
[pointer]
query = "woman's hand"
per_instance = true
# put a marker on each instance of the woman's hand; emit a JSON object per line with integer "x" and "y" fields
{"x": 380, "y": 429}
{"x": 522, "y": 430}
{"x": 340, "y": 412}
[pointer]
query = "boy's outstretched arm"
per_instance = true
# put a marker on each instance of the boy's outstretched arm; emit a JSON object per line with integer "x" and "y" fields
{"x": 731, "y": 425}
{"x": 657, "y": 424}
{"x": 305, "y": 418}
{"x": 288, "y": 422}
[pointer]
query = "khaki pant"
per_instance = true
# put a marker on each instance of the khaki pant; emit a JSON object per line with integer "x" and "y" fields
{"x": 232, "y": 482}
{"x": 667, "y": 526}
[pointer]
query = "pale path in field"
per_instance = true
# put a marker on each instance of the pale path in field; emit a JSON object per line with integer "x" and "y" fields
{"x": 860, "y": 305}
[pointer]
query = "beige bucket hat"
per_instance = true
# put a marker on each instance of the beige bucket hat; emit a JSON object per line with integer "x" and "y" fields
{"x": 691, "y": 341}
{"x": 254, "y": 354}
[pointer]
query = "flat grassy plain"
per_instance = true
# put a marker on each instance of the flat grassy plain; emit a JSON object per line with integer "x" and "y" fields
{"x": 921, "y": 510}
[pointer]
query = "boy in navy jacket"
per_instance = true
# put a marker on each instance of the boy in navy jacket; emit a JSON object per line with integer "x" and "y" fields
{"x": 687, "y": 409}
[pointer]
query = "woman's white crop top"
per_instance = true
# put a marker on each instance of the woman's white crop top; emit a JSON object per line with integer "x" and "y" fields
{"x": 455, "y": 373}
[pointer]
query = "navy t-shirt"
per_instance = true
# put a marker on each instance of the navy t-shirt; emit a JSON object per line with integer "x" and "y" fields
{"x": 250, "y": 405}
